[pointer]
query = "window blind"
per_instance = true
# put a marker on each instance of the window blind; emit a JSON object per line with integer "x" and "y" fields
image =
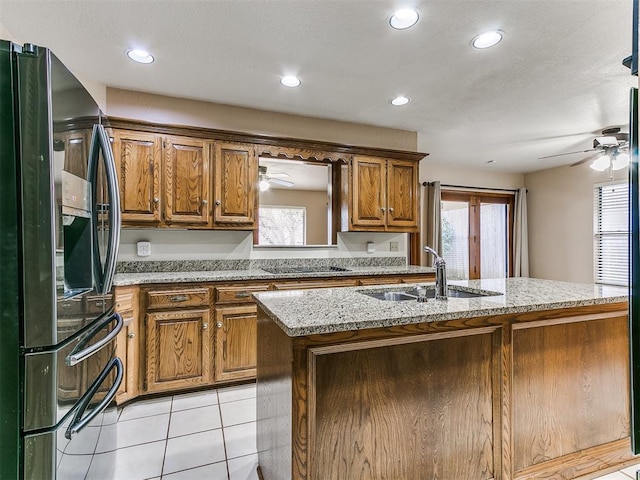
{"x": 611, "y": 233}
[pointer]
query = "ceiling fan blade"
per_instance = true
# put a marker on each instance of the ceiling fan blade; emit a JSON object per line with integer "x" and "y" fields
{"x": 568, "y": 153}
{"x": 586, "y": 159}
{"x": 279, "y": 175}
{"x": 277, "y": 181}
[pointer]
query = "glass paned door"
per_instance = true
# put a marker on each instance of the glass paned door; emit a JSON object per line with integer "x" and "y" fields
{"x": 476, "y": 234}
{"x": 455, "y": 238}
{"x": 493, "y": 247}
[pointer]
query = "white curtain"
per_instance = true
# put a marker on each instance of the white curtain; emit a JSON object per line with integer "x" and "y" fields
{"x": 430, "y": 230}
{"x": 520, "y": 236}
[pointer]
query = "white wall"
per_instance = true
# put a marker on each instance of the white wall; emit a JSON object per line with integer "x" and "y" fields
{"x": 487, "y": 177}
{"x": 560, "y": 218}
{"x": 180, "y": 111}
{"x": 174, "y": 244}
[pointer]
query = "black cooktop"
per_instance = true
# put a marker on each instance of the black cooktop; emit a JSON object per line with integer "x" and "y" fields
{"x": 285, "y": 269}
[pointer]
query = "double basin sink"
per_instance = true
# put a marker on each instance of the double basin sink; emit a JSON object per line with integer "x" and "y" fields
{"x": 412, "y": 294}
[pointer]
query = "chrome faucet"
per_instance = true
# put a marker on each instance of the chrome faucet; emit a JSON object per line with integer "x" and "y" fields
{"x": 441, "y": 273}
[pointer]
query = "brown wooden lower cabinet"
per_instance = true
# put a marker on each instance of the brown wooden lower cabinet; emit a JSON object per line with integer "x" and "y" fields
{"x": 235, "y": 352}
{"x": 537, "y": 395}
{"x": 177, "y": 350}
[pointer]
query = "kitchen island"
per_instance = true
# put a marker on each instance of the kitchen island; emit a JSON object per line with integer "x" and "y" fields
{"x": 531, "y": 382}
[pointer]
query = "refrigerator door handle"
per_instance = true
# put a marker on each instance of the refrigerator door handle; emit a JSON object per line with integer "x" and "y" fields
{"x": 79, "y": 421}
{"x": 100, "y": 143}
{"x": 79, "y": 353}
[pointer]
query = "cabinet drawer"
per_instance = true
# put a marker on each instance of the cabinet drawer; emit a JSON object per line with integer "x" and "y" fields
{"x": 192, "y": 297}
{"x": 382, "y": 280}
{"x": 237, "y": 293}
{"x": 124, "y": 302}
{"x": 428, "y": 277}
{"x": 301, "y": 285}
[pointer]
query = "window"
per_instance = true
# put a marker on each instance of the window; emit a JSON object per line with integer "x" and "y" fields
{"x": 611, "y": 233}
{"x": 476, "y": 234}
{"x": 282, "y": 225}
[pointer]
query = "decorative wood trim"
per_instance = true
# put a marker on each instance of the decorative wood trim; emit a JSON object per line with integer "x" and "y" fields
{"x": 337, "y": 151}
{"x": 579, "y": 463}
{"x": 288, "y": 153}
{"x": 560, "y": 321}
{"x": 385, "y": 342}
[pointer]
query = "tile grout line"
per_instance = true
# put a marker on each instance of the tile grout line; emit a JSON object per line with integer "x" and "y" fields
{"x": 166, "y": 440}
{"x": 224, "y": 440}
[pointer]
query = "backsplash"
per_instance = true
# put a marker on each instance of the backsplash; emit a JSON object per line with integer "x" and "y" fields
{"x": 213, "y": 245}
{"x": 213, "y": 265}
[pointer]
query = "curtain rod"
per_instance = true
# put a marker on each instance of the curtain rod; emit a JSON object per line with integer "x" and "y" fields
{"x": 424, "y": 184}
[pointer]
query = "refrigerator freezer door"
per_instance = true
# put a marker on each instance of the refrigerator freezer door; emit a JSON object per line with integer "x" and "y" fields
{"x": 57, "y": 240}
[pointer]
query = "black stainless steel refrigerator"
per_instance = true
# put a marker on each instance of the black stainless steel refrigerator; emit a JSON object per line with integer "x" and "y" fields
{"x": 59, "y": 234}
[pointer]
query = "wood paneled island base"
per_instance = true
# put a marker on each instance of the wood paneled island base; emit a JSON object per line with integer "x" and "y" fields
{"x": 534, "y": 395}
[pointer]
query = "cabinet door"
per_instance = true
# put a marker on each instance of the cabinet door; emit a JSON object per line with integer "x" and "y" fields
{"x": 402, "y": 195}
{"x": 138, "y": 157}
{"x": 368, "y": 183}
{"x": 177, "y": 350}
{"x": 127, "y": 350}
{"x": 235, "y": 180}
{"x": 236, "y": 343}
{"x": 187, "y": 183}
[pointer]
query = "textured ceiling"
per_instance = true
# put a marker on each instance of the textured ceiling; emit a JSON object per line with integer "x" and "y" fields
{"x": 554, "y": 81}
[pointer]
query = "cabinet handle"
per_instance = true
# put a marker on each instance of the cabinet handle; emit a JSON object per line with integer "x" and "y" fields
{"x": 243, "y": 295}
{"x": 383, "y": 209}
{"x": 131, "y": 335}
{"x": 205, "y": 326}
{"x": 156, "y": 200}
{"x": 390, "y": 209}
{"x": 219, "y": 324}
{"x": 178, "y": 298}
{"x": 218, "y": 202}
{"x": 204, "y": 202}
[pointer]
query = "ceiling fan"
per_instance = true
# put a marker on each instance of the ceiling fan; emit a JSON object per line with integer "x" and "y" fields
{"x": 611, "y": 151}
{"x": 276, "y": 178}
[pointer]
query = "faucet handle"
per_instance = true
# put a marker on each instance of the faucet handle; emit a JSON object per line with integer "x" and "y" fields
{"x": 422, "y": 294}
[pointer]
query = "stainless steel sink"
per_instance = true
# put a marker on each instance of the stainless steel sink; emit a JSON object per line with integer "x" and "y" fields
{"x": 412, "y": 294}
{"x": 394, "y": 296}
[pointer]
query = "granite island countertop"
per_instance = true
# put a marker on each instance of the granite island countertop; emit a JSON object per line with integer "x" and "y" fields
{"x": 140, "y": 278}
{"x": 307, "y": 312}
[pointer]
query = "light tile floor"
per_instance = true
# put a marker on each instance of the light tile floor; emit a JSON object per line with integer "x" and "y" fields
{"x": 205, "y": 435}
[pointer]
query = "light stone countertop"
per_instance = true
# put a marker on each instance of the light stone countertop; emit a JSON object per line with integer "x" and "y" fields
{"x": 123, "y": 279}
{"x": 307, "y": 312}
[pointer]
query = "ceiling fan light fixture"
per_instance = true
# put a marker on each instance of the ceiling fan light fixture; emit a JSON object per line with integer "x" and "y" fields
{"x": 140, "y": 56}
{"x": 601, "y": 163}
{"x": 620, "y": 161}
{"x": 487, "y": 39}
{"x": 404, "y": 18}
{"x": 264, "y": 185}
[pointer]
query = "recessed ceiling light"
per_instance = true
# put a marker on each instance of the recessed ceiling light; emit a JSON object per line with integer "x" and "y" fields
{"x": 487, "y": 39}
{"x": 140, "y": 56}
{"x": 399, "y": 101}
{"x": 404, "y": 18}
{"x": 290, "y": 81}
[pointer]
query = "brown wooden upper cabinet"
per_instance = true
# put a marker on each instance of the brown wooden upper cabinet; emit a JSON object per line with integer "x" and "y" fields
{"x": 383, "y": 195}
{"x": 187, "y": 180}
{"x": 138, "y": 158}
{"x": 235, "y": 179}
{"x": 170, "y": 181}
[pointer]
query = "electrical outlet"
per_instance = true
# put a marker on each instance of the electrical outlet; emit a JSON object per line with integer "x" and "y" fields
{"x": 393, "y": 246}
{"x": 144, "y": 249}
